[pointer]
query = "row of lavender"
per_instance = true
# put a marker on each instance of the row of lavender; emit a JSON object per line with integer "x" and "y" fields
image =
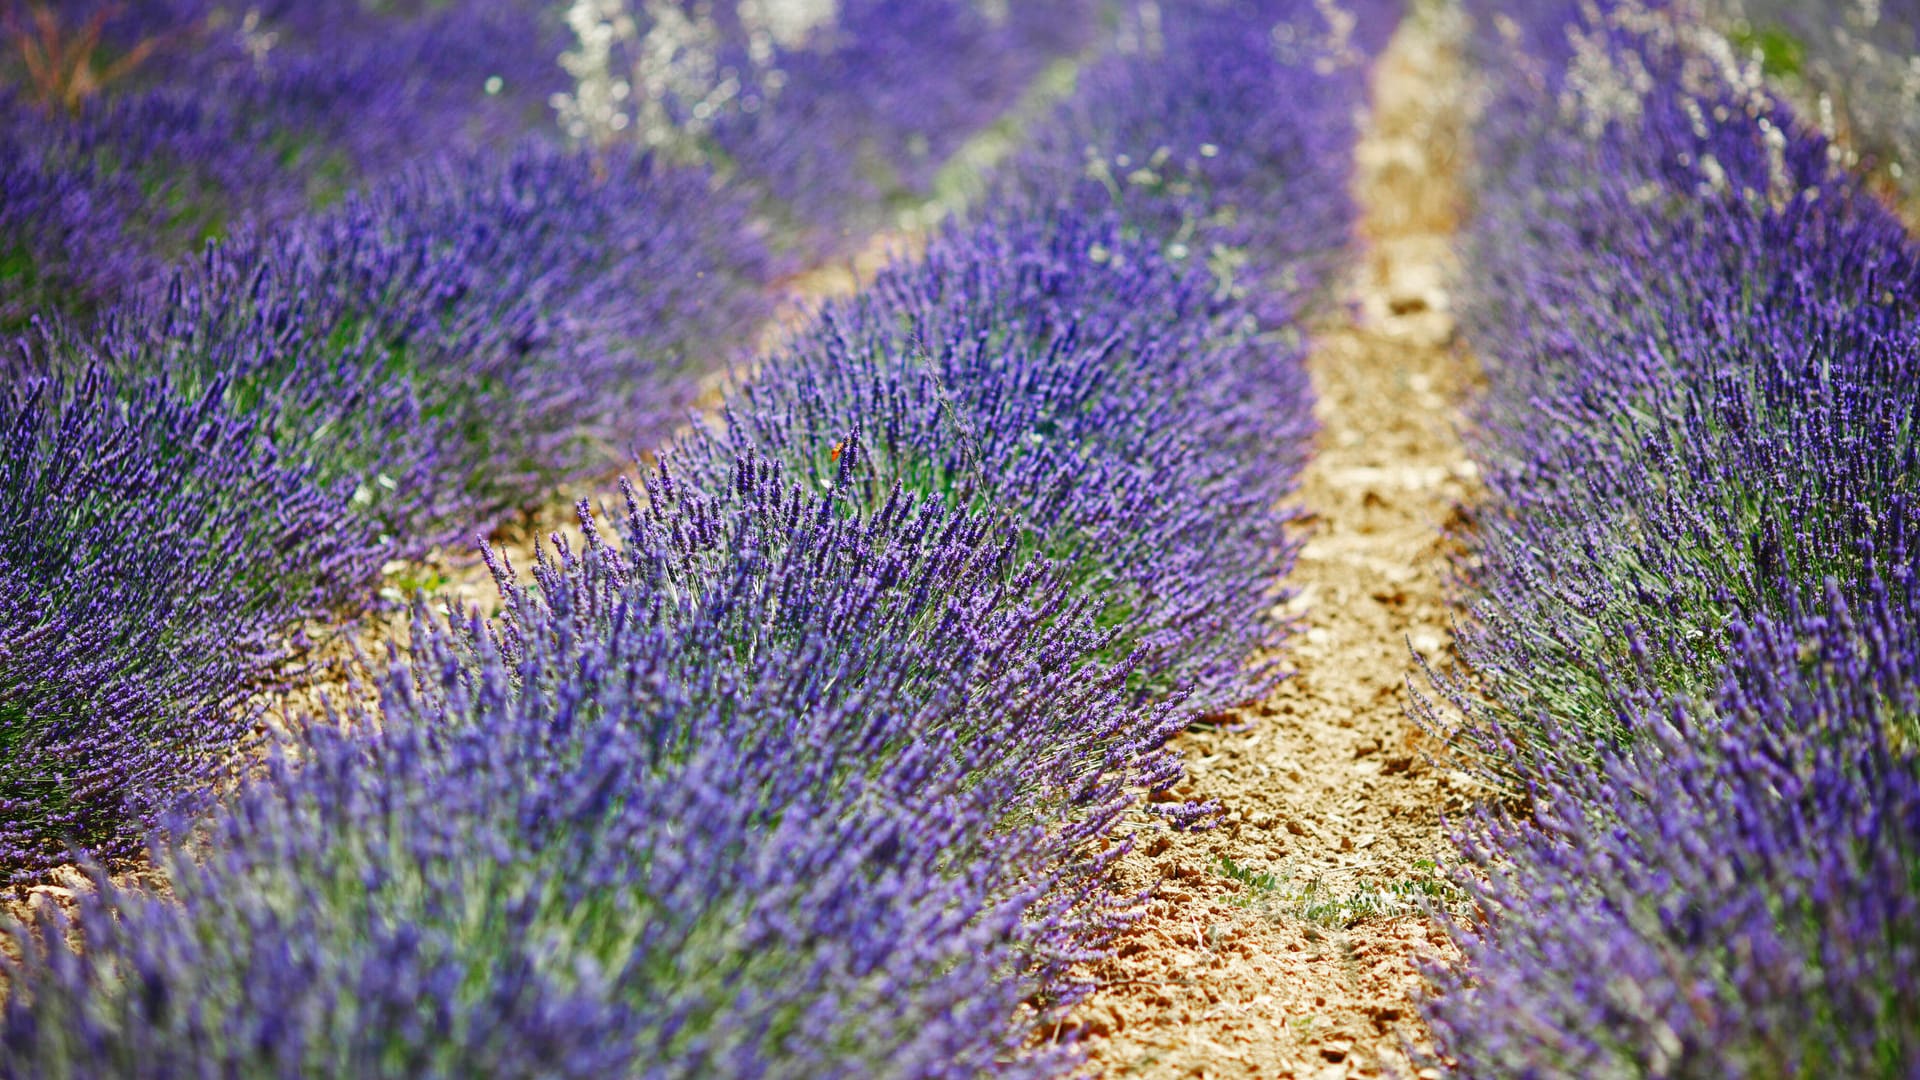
{"x": 1850, "y": 66}
{"x": 1698, "y": 643}
{"x": 131, "y": 134}
{"x": 816, "y": 771}
{"x": 422, "y": 312}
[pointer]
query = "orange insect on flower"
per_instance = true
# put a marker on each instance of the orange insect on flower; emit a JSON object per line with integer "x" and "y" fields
{"x": 837, "y": 447}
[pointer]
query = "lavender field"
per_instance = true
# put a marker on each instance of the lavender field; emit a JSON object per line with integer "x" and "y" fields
{"x": 922, "y": 538}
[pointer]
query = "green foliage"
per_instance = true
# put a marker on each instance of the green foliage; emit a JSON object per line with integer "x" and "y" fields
{"x": 1780, "y": 53}
{"x": 1422, "y": 890}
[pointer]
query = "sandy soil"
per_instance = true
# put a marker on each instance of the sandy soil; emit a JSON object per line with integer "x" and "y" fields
{"x": 1285, "y": 942}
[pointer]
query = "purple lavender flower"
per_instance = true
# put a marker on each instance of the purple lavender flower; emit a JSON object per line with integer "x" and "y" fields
{"x": 300, "y": 405}
{"x": 237, "y": 120}
{"x": 60, "y": 236}
{"x": 464, "y": 336}
{"x": 1247, "y": 177}
{"x": 807, "y": 774}
{"x": 1733, "y": 897}
{"x": 1105, "y": 400}
{"x": 1726, "y": 437}
{"x": 154, "y": 552}
{"x": 742, "y": 796}
{"x": 1698, "y": 602}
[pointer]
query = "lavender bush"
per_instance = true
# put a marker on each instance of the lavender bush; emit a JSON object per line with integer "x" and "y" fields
{"x": 154, "y": 554}
{"x": 472, "y": 325}
{"x": 812, "y": 773}
{"x": 1733, "y": 897}
{"x": 100, "y": 203}
{"x": 1219, "y": 170}
{"x": 770, "y": 790}
{"x": 1106, "y": 400}
{"x": 230, "y": 120}
{"x": 60, "y": 231}
{"x": 1728, "y": 436}
{"x": 1695, "y": 635}
{"x": 466, "y": 335}
{"x": 1078, "y": 366}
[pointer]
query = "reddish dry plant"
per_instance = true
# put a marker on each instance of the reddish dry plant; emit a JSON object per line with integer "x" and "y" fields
{"x": 61, "y": 64}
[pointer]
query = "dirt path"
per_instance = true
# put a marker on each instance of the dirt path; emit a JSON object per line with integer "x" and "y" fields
{"x": 1284, "y": 943}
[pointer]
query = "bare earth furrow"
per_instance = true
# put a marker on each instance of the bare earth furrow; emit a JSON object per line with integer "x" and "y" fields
{"x": 1286, "y": 942}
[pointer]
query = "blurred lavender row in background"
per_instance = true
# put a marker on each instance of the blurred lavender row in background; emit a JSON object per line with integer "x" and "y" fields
{"x": 1851, "y": 67}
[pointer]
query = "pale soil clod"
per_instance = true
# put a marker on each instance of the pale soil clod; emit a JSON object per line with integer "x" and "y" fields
{"x": 1286, "y": 942}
